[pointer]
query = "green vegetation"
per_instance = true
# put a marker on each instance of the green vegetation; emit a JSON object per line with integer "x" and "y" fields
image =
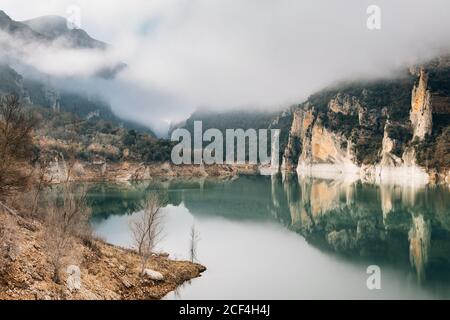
{"x": 433, "y": 152}
{"x": 63, "y": 131}
{"x": 364, "y": 126}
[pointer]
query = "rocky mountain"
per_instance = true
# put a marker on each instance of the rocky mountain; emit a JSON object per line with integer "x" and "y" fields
{"x": 240, "y": 119}
{"x": 389, "y": 130}
{"x": 19, "y": 30}
{"x": 56, "y": 28}
{"x": 41, "y": 90}
{"x": 393, "y": 130}
{"x": 222, "y": 120}
{"x": 52, "y": 32}
{"x": 40, "y": 93}
{"x": 48, "y": 29}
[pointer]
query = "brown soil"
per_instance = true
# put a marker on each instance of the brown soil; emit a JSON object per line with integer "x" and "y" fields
{"x": 107, "y": 271}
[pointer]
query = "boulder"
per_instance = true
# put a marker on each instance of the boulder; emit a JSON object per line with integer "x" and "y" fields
{"x": 74, "y": 278}
{"x": 153, "y": 275}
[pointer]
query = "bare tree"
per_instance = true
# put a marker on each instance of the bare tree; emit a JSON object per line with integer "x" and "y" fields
{"x": 8, "y": 242}
{"x": 67, "y": 217}
{"x": 36, "y": 191}
{"x": 195, "y": 237}
{"x": 73, "y": 130}
{"x": 147, "y": 228}
{"x": 3, "y": 245}
{"x": 15, "y": 144}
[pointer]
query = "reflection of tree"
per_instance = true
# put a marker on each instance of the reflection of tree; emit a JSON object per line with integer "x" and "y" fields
{"x": 175, "y": 197}
{"x": 246, "y": 198}
{"x": 106, "y": 200}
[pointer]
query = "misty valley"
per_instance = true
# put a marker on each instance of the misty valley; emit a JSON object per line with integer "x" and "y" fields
{"x": 178, "y": 150}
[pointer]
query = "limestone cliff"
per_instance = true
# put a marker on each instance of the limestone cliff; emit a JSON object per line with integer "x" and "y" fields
{"x": 302, "y": 121}
{"x": 393, "y": 130}
{"x": 421, "y": 114}
{"x": 325, "y": 152}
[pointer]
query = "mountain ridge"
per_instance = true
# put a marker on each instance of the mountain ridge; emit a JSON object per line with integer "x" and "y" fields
{"x": 54, "y": 27}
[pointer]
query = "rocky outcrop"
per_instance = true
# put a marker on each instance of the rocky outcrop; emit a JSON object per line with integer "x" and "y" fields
{"x": 398, "y": 162}
{"x": 388, "y": 157}
{"x": 58, "y": 170}
{"x": 12, "y": 83}
{"x": 325, "y": 153}
{"x": 153, "y": 275}
{"x": 73, "y": 281}
{"x": 377, "y": 133}
{"x": 345, "y": 104}
{"x": 421, "y": 112}
{"x": 301, "y": 124}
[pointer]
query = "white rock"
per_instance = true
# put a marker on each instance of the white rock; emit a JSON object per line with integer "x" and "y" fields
{"x": 153, "y": 275}
{"x": 74, "y": 278}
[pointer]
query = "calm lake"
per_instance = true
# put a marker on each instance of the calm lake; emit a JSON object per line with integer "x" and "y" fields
{"x": 288, "y": 238}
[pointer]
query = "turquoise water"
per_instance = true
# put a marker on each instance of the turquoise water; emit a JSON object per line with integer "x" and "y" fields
{"x": 285, "y": 238}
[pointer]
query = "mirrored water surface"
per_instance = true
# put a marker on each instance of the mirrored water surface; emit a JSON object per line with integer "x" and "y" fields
{"x": 289, "y": 238}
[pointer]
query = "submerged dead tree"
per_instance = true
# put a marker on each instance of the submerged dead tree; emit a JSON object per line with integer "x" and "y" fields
{"x": 147, "y": 228}
{"x": 195, "y": 237}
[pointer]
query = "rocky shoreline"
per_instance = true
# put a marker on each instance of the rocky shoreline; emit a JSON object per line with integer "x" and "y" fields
{"x": 57, "y": 171}
{"x": 97, "y": 271}
{"x": 117, "y": 172}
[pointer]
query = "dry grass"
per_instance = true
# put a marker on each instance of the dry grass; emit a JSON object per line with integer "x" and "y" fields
{"x": 107, "y": 271}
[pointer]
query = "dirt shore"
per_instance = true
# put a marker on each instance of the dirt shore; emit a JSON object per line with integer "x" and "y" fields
{"x": 106, "y": 271}
{"x": 83, "y": 171}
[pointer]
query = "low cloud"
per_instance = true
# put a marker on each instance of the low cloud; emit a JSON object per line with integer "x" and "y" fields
{"x": 182, "y": 54}
{"x": 54, "y": 58}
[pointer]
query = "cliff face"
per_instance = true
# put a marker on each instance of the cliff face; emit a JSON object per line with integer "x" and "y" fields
{"x": 421, "y": 114}
{"x": 325, "y": 151}
{"x": 392, "y": 131}
{"x": 301, "y": 124}
{"x": 59, "y": 171}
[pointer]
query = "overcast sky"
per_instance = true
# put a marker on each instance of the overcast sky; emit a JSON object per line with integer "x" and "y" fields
{"x": 183, "y": 54}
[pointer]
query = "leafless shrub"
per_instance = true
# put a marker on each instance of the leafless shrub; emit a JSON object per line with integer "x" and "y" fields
{"x": 3, "y": 244}
{"x": 67, "y": 218}
{"x": 30, "y": 202}
{"x": 195, "y": 237}
{"x": 15, "y": 144}
{"x": 73, "y": 131}
{"x": 7, "y": 242}
{"x": 147, "y": 228}
{"x": 37, "y": 189}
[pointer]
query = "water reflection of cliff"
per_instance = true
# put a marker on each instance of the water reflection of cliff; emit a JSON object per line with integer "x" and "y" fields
{"x": 394, "y": 224}
{"x": 399, "y": 225}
